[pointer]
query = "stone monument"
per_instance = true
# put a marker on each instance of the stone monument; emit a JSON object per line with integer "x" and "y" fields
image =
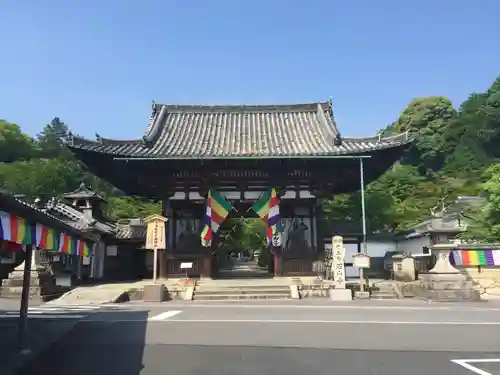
{"x": 339, "y": 291}
{"x": 444, "y": 282}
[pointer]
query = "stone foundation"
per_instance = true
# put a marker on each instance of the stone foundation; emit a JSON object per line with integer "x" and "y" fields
{"x": 314, "y": 290}
{"x": 485, "y": 280}
{"x": 446, "y": 287}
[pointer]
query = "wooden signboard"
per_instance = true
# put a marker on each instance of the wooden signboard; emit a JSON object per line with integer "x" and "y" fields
{"x": 155, "y": 238}
{"x": 361, "y": 260}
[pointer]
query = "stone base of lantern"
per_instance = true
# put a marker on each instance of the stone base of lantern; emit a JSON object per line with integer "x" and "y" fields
{"x": 446, "y": 287}
{"x": 444, "y": 282}
{"x": 42, "y": 285}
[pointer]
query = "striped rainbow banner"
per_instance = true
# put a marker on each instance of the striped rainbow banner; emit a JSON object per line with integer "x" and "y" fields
{"x": 21, "y": 231}
{"x": 486, "y": 257}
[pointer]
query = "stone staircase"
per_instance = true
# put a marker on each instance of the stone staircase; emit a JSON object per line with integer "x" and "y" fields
{"x": 386, "y": 290}
{"x": 243, "y": 270}
{"x": 221, "y": 290}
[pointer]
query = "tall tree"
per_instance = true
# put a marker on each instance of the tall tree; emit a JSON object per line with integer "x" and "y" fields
{"x": 428, "y": 119}
{"x": 51, "y": 139}
{"x": 14, "y": 144}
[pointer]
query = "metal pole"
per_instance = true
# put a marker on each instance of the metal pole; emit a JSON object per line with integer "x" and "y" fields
{"x": 25, "y": 295}
{"x": 363, "y": 209}
{"x": 363, "y": 220}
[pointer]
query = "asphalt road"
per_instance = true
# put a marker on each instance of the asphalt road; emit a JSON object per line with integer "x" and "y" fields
{"x": 279, "y": 338}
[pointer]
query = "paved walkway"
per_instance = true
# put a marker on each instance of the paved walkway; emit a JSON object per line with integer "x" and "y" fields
{"x": 97, "y": 294}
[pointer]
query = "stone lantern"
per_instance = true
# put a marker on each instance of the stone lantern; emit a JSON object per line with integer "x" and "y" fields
{"x": 444, "y": 282}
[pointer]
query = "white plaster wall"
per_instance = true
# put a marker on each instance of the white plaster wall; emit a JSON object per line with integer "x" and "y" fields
{"x": 414, "y": 246}
{"x": 378, "y": 249}
{"x": 350, "y": 250}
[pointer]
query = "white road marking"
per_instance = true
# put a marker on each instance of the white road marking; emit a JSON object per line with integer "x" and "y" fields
{"x": 205, "y": 304}
{"x": 47, "y": 312}
{"x": 62, "y": 309}
{"x": 165, "y": 315}
{"x": 327, "y": 321}
{"x": 466, "y": 363}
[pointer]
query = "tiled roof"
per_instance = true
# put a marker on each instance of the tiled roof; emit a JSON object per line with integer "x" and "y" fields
{"x": 127, "y": 231}
{"x": 65, "y": 217}
{"x": 77, "y": 219}
{"x": 16, "y": 206}
{"x": 239, "y": 131}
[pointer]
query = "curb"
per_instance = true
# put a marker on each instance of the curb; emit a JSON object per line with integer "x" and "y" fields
{"x": 119, "y": 298}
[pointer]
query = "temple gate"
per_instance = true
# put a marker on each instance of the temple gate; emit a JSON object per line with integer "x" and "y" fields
{"x": 240, "y": 153}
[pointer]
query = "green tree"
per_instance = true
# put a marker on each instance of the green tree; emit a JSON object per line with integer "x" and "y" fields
{"x": 130, "y": 207}
{"x": 14, "y": 144}
{"x": 428, "y": 119}
{"x": 484, "y": 222}
{"x": 36, "y": 177}
{"x": 51, "y": 140}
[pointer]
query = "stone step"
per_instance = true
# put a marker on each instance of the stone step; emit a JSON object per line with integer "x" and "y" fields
{"x": 384, "y": 295}
{"x": 242, "y": 291}
{"x": 242, "y": 286}
{"x": 247, "y": 273}
{"x": 243, "y": 270}
{"x": 221, "y": 297}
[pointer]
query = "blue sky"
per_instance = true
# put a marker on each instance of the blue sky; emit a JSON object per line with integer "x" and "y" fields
{"x": 98, "y": 64}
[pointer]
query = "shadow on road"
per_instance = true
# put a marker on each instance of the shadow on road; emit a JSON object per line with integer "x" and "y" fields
{"x": 93, "y": 346}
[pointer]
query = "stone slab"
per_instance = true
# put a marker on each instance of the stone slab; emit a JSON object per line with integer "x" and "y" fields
{"x": 340, "y": 294}
{"x": 294, "y": 292}
{"x": 361, "y": 295}
{"x": 154, "y": 293}
{"x": 188, "y": 296}
{"x": 450, "y": 295}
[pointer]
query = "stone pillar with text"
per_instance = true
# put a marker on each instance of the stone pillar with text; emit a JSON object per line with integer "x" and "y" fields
{"x": 339, "y": 291}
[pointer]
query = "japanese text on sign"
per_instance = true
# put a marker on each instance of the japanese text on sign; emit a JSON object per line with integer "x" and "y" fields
{"x": 338, "y": 262}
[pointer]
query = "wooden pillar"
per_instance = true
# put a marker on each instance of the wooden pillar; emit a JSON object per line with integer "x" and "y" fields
{"x": 321, "y": 229}
{"x": 206, "y": 271}
{"x": 277, "y": 261}
{"x": 312, "y": 224}
{"x": 25, "y": 295}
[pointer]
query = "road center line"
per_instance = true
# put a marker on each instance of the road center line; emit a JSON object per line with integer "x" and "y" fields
{"x": 319, "y": 307}
{"x": 321, "y": 321}
{"x": 165, "y": 315}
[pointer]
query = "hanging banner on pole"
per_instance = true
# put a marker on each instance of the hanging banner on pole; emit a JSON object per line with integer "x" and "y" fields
{"x": 268, "y": 209}
{"x": 217, "y": 210}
